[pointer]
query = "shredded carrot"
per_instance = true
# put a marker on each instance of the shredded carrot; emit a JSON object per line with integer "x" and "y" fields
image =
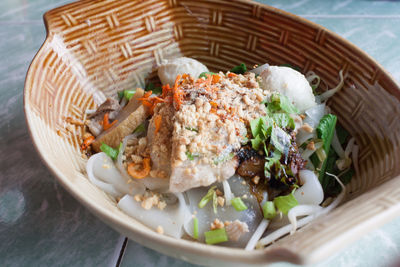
{"x": 178, "y": 93}
{"x": 215, "y": 78}
{"x": 213, "y": 104}
{"x": 106, "y": 124}
{"x": 165, "y": 90}
{"x": 147, "y": 94}
{"x": 231, "y": 74}
{"x": 184, "y": 76}
{"x": 87, "y": 142}
{"x": 139, "y": 173}
{"x": 157, "y": 123}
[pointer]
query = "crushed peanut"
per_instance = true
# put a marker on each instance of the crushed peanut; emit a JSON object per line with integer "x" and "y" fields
{"x": 217, "y": 224}
{"x": 306, "y": 127}
{"x": 256, "y": 179}
{"x": 221, "y": 201}
{"x": 160, "y": 229}
{"x": 311, "y": 146}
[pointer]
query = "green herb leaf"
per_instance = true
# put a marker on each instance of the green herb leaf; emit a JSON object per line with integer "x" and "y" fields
{"x": 204, "y": 74}
{"x": 151, "y": 87}
{"x": 240, "y": 69}
{"x": 283, "y": 120}
{"x": 140, "y": 129}
{"x": 342, "y": 134}
{"x": 192, "y": 129}
{"x": 111, "y": 152}
{"x": 269, "y": 210}
{"x": 256, "y": 142}
{"x": 120, "y": 95}
{"x": 222, "y": 159}
{"x": 280, "y": 102}
{"x": 216, "y": 236}
{"x": 280, "y": 140}
{"x": 325, "y": 131}
{"x": 285, "y": 203}
{"x": 238, "y": 204}
{"x": 203, "y": 202}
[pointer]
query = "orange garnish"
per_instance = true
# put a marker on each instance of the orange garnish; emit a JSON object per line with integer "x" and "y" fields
{"x": 178, "y": 93}
{"x": 106, "y": 124}
{"x": 142, "y": 172}
{"x": 157, "y": 123}
{"x": 231, "y": 74}
{"x": 213, "y": 104}
{"x": 215, "y": 78}
{"x": 87, "y": 142}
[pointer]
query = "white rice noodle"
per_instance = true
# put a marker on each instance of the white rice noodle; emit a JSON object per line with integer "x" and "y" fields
{"x": 311, "y": 76}
{"x": 308, "y": 152}
{"x": 257, "y": 234}
{"x": 349, "y": 147}
{"x": 303, "y": 136}
{"x": 103, "y": 173}
{"x": 251, "y": 216}
{"x": 123, "y": 102}
{"x": 227, "y": 192}
{"x": 315, "y": 114}
{"x": 260, "y": 69}
{"x": 326, "y": 95}
{"x": 301, "y": 210}
{"x": 171, "y": 218}
{"x": 344, "y": 160}
{"x": 337, "y": 146}
{"x": 152, "y": 183}
{"x": 311, "y": 192}
{"x": 286, "y": 229}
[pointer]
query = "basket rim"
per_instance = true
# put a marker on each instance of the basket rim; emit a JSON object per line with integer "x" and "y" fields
{"x": 220, "y": 253}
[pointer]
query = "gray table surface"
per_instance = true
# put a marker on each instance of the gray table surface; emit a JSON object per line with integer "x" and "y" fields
{"x": 42, "y": 225}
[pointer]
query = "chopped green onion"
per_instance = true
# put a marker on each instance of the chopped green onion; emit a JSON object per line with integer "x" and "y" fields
{"x": 204, "y": 74}
{"x": 238, "y": 204}
{"x": 191, "y": 156}
{"x": 129, "y": 93}
{"x": 140, "y": 129}
{"x": 192, "y": 129}
{"x": 285, "y": 203}
{"x": 240, "y": 69}
{"x": 111, "y": 152}
{"x": 195, "y": 228}
{"x": 215, "y": 203}
{"x": 222, "y": 159}
{"x": 203, "y": 202}
{"x": 269, "y": 210}
{"x": 216, "y": 236}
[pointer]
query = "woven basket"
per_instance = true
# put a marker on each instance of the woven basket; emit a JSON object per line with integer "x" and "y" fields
{"x": 94, "y": 48}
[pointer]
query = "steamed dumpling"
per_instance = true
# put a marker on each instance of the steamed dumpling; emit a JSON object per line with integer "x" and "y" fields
{"x": 169, "y": 69}
{"x": 289, "y": 83}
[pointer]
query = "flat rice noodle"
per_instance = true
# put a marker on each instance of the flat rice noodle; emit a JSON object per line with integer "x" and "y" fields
{"x": 102, "y": 172}
{"x": 252, "y": 216}
{"x": 171, "y": 218}
{"x": 152, "y": 183}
